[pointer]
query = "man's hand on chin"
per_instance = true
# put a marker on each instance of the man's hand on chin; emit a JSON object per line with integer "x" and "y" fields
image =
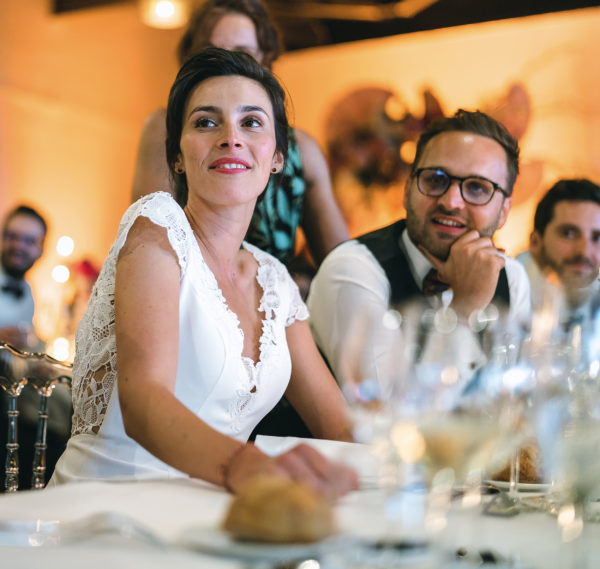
{"x": 471, "y": 270}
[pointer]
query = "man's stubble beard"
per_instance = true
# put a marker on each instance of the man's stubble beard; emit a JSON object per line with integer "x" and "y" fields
{"x": 419, "y": 236}
{"x": 546, "y": 262}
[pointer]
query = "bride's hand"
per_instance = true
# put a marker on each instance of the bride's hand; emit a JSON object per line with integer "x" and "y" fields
{"x": 302, "y": 463}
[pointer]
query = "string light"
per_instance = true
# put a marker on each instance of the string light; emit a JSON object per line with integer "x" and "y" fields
{"x": 61, "y": 273}
{"x": 60, "y": 349}
{"x": 65, "y": 246}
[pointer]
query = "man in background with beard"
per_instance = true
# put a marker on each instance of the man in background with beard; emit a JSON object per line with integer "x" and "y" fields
{"x": 564, "y": 245}
{"x": 442, "y": 255}
{"x": 23, "y": 235}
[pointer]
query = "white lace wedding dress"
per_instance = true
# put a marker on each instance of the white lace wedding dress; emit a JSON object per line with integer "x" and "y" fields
{"x": 226, "y": 390}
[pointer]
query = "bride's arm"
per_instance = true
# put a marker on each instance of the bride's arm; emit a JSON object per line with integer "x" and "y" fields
{"x": 312, "y": 389}
{"x": 147, "y": 336}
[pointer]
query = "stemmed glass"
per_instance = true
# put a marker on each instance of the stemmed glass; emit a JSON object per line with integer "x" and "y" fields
{"x": 13, "y": 367}
{"x": 510, "y": 372}
{"x": 566, "y": 416}
{"x": 370, "y": 375}
{"x": 44, "y": 373}
{"x": 417, "y": 401}
{"x": 523, "y": 358}
{"x": 367, "y": 372}
{"x": 446, "y": 413}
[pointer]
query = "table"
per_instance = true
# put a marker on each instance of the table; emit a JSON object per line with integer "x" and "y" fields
{"x": 168, "y": 507}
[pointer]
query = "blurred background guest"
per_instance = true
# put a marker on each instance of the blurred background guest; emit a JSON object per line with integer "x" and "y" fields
{"x": 565, "y": 242}
{"x": 23, "y": 235}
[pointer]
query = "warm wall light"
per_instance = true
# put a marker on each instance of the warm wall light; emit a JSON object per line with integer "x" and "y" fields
{"x": 60, "y": 349}
{"x": 164, "y": 13}
{"x": 65, "y": 246}
{"x": 61, "y": 274}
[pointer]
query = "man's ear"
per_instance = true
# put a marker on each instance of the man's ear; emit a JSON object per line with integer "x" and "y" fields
{"x": 535, "y": 244}
{"x": 505, "y": 208}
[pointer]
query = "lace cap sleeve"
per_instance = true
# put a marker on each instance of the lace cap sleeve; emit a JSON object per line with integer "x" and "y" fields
{"x": 298, "y": 310}
{"x": 164, "y": 211}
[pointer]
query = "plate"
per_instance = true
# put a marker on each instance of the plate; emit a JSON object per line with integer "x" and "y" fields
{"x": 215, "y": 541}
{"x": 521, "y": 486}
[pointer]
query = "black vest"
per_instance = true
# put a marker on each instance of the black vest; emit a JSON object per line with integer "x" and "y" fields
{"x": 384, "y": 244}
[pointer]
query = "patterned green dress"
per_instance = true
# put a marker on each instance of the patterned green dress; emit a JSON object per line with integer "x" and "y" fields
{"x": 279, "y": 210}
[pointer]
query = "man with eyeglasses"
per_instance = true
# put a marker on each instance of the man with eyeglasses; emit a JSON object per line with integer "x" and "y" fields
{"x": 459, "y": 192}
{"x": 23, "y": 235}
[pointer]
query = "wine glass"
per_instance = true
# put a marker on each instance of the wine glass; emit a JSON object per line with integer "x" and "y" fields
{"x": 370, "y": 374}
{"x": 366, "y": 374}
{"x": 12, "y": 380}
{"x": 510, "y": 372}
{"x": 44, "y": 373}
{"x": 522, "y": 358}
{"x": 446, "y": 414}
{"x": 567, "y": 421}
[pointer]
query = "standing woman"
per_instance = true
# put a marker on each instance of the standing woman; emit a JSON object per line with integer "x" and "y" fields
{"x": 191, "y": 334}
{"x": 302, "y": 196}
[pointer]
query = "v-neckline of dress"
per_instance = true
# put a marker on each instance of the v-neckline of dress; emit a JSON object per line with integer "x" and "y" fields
{"x": 234, "y": 317}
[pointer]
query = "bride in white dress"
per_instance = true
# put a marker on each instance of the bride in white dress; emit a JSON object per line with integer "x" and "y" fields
{"x": 191, "y": 335}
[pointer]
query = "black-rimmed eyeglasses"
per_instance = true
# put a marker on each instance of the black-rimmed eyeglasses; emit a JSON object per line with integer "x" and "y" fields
{"x": 434, "y": 182}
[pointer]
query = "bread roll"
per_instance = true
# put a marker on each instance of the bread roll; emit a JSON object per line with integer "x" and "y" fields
{"x": 279, "y": 510}
{"x": 530, "y": 467}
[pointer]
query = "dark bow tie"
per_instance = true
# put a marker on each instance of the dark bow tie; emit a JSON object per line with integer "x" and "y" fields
{"x": 432, "y": 284}
{"x": 15, "y": 288}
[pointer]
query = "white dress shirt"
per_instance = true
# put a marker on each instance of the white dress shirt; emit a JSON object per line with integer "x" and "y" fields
{"x": 15, "y": 311}
{"x": 350, "y": 280}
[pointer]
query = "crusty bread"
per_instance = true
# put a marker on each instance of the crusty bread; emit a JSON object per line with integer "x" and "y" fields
{"x": 530, "y": 467}
{"x": 276, "y": 509}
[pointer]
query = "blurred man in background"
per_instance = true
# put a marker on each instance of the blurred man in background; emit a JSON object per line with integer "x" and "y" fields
{"x": 565, "y": 243}
{"x": 23, "y": 235}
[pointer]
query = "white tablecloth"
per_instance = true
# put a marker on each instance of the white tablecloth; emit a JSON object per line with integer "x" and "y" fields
{"x": 170, "y": 507}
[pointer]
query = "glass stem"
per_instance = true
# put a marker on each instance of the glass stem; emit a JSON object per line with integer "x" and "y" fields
{"x": 513, "y": 484}
{"x": 11, "y": 469}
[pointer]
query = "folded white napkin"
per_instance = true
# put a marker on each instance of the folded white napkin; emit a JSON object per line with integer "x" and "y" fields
{"x": 355, "y": 455}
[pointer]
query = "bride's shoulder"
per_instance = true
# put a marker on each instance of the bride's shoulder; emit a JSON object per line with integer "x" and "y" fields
{"x": 157, "y": 218}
